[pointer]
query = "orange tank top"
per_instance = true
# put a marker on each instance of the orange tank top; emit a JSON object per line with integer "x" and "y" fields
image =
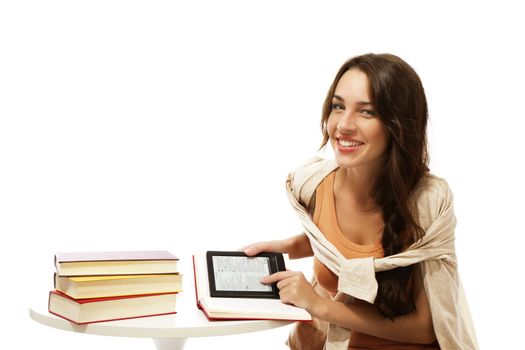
{"x": 325, "y": 218}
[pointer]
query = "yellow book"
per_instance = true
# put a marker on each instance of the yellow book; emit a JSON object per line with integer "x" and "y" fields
{"x": 106, "y": 286}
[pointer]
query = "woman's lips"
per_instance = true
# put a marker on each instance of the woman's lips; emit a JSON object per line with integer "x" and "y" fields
{"x": 348, "y": 146}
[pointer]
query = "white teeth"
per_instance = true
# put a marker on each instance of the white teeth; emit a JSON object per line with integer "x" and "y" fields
{"x": 346, "y": 143}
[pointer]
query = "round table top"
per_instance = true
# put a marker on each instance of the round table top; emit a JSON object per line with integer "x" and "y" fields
{"x": 189, "y": 321}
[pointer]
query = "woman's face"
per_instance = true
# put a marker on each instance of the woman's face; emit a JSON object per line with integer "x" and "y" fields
{"x": 356, "y": 133}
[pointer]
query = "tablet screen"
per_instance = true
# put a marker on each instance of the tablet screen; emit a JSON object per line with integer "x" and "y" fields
{"x": 233, "y": 274}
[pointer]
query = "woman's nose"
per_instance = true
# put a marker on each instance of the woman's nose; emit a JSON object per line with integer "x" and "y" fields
{"x": 346, "y": 124}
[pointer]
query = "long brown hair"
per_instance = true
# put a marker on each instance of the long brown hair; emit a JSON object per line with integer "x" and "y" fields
{"x": 399, "y": 98}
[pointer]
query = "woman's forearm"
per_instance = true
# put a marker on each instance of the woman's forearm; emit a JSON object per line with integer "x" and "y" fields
{"x": 365, "y": 318}
{"x": 298, "y": 247}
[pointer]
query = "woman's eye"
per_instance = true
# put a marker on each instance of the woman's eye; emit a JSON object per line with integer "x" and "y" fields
{"x": 368, "y": 112}
{"x": 337, "y": 107}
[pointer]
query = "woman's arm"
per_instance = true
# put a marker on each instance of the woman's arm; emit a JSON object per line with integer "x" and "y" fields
{"x": 296, "y": 247}
{"x": 363, "y": 317}
{"x": 415, "y": 327}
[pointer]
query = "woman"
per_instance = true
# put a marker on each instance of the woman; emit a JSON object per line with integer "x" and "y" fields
{"x": 380, "y": 227}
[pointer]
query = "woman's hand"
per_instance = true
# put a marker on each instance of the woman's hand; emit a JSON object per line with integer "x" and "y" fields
{"x": 277, "y": 246}
{"x": 295, "y": 289}
{"x": 296, "y": 247}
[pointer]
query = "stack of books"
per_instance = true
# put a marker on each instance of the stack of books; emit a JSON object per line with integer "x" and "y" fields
{"x": 105, "y": 286}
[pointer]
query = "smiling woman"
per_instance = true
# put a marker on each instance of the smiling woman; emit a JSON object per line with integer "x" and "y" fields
{"x": 392, "y": 160}
{"x": 355, "y": 133}
{"x": 379, "y": 225}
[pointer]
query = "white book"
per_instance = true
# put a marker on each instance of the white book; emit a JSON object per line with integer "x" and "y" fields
{"x": 239, "y": 275}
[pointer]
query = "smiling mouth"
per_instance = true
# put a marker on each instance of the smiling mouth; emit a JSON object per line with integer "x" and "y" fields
{"x": 347, "y": 143}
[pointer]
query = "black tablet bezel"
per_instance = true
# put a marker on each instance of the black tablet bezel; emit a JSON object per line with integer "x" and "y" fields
{"x": 276, "y": 264}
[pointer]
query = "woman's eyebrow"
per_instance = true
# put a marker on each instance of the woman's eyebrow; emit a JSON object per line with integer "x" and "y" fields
{"x": 361, "y": 103}
{"x": 337, "y": 97}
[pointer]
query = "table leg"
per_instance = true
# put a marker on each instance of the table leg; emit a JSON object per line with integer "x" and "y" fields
{"x": 170, "y": 343}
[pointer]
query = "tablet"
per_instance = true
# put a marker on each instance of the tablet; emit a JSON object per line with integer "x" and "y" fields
{"x": 236, "y": 275}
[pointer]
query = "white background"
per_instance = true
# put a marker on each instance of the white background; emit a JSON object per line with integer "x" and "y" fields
{"x": 172, "y": 125}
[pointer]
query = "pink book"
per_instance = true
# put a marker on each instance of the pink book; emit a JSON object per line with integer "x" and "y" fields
{"x": 115, "y": 263}
{"x": 115, "y": 256}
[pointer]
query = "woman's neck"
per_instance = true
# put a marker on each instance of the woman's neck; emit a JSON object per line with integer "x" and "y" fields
{"x": 354, "y": 185}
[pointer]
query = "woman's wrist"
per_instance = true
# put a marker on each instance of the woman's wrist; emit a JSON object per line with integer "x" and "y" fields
{"x": 288, "y": 247}
{"x": 321, "y": 308}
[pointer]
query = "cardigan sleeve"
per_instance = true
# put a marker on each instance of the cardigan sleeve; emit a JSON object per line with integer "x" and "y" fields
{"x": 450, "y": 314}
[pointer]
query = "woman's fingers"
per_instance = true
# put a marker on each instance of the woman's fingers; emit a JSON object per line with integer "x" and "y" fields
{"x": 259, "y": 247}
{"x": 293, "y": 288}
{"x": 277, "y": 276}
{"x": 254, "y": 249}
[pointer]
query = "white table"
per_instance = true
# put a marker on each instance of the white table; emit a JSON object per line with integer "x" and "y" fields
{"x": 167, "y": 332}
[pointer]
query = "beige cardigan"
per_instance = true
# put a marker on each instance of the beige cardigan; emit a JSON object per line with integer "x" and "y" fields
{"x": 435, "y": 252}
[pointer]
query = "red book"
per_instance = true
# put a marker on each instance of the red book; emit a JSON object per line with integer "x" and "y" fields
{"x": 115, "y": 263}
{"x": 83, "y": 311}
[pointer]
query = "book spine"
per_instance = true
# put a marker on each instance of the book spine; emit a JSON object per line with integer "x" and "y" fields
{"x": 195, "y": 284}
{"x": 115, "y": 319}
